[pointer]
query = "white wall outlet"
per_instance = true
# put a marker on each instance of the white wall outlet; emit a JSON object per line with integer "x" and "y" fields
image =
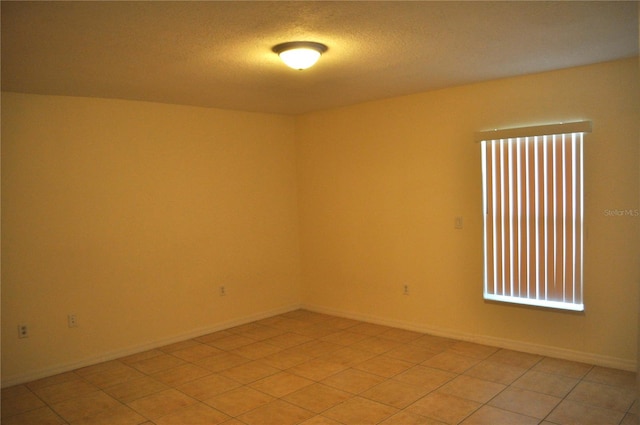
{"x": 223, "y": 291}
{"x": 72, "y": 321}
{"x": 23, "y": 330}
{"x": 458, "y": 222}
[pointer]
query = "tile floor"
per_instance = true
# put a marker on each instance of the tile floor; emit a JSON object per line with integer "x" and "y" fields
{"x": 309, "y": 368}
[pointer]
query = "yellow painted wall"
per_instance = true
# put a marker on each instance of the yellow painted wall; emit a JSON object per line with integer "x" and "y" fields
{"x": 131, "y": 215}
{"x": 381, "y": 183}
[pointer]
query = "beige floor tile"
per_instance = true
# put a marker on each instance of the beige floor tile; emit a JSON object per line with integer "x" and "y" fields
{"x": 515, "y": 358}
{"x": 250, "y": 372}
{"x": 630, "y": 419}
{"x": 135, "y": 389}
{"x": 181, "y": 374}
{"x": 288, "y": 340}
{"x": 345, "y": 338}
{"x": 375, "y": 345}
{"x": 411, "y": 353}
{"x": 317, "y": 331}
{"x": 443, "y": 407}
{"x": 614, "y": 377}
{"x": 20, "y": 403}
{"x": 195, "y": 414}
{"x": 601, "y": 395}
{"x": 353, "y": 381}
{"x": 320, "y": 420}
{"x": 318, "y": 348}
{"x": 317, "y": 369}
{"x": 496, "y": 372}
{"x": 41, "y": 416}
{"x": 317, "y": 397}
{"x": 15, "y": 391}
{"x": 209, "y": 386}
{"x": 348, "y": 356}
{"x": 563, "y": 367}
{"x": 277, "y": 412}
{"x": 470, "y": 349}
{"x": 525, "y": 402}
{"x": 384, "y": 366}
{"x": 231, "y": 342}
{"x": 256, "y": 350}
{"x": 157, "y": 363}
{"x": 232, "y": 421}
{"x": 260, "y": 332}
{"x": 289, "y": 324}
{"x": 433, "y": 343}
{"x": 56, "y": 393}
{"x": 222, "y": 361}
{"x": 116, "y": 375}
{"x": 239, "y": 401}
{"x": 281, "y": 384}
{"x": 358, "y": 410}
{"x": 472, "y": 388}
{"x": 286, "y": 359}
{"x": 451, "y": 362}
{"x": 395, "y": 393}
{"x": 407, "y": 418}
{"x": 488, "y": 415}
{"x": 118, "y": 415}
{"x": 196, "y": 352}
{"x": 425, "y": 377}
{"x": 572, "y": 413}
{"x": 555, "y": 385}
{"x": 83, "y": 407}
{"x": 161, "y": 404}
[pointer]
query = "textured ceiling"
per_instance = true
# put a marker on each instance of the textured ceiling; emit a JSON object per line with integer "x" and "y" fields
{"x": 218, "y": 54}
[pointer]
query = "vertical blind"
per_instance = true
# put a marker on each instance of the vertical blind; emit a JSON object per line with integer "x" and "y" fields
{"x": 533, "y": 203}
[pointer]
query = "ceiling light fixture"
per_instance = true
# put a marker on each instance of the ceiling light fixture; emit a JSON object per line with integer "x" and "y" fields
{"x": 300, "y": 54}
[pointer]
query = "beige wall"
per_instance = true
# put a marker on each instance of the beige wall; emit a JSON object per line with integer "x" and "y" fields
{"x": 131, "y": 215}
{"x": 381, "y": 183}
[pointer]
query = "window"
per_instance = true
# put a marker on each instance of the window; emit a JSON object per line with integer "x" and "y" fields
{"x": 533, "y": 192}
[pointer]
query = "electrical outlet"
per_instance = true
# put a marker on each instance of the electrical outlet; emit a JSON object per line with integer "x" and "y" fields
{"x": 72, "y": 321}
{"x": 458, "y": 224}
{"x": 23, "y": 330}
{"x": 223, "y": 291}
{"x": 406, "y": 290}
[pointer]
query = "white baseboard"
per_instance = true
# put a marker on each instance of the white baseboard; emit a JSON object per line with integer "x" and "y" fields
{"x": 116, "y": 354}
{"x": 527, "y": 347}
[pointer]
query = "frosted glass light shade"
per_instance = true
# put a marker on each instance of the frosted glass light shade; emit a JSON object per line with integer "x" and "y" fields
{"x": 300, "y": 58}
{"x": 300, "y": 54}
